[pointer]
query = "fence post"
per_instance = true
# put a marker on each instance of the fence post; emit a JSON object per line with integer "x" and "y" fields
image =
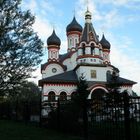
{"x": 127, "y": 116}
{"x": 85, "y": 119}
{"x": 58, "y": 114}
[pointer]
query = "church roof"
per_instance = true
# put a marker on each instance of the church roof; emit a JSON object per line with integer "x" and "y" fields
{"x": 105, "y": 44}
{"x": 89, "y": 30}
{"x": 66, "y": 77}
{"x": 62, "y": 57}
{"x": 53, "y": 39}
{"x": 71, "y": 77}
{"x": 89, "y": 33}
{"x": 74, "y": 26}
{"x": 119, "y": 80}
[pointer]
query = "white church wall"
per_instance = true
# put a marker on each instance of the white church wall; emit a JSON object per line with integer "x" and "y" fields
{"x": 49, "y": 70}
{"x": 93, "y": 73}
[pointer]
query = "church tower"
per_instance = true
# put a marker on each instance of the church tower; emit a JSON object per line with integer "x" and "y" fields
{"x": 53, "y": 43}
{"x": 89, "y": 49}
{"x": 106, "y": 50}
{"x": 74, "y": 30}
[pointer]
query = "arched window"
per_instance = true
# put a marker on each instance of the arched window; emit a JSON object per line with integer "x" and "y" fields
{"x": 83, "y": 48}
{"x": 70, "y": 42}
{"x": 51, "y": 96}
{"x": 63, "y": 96}
{"x": 92, "y": 49}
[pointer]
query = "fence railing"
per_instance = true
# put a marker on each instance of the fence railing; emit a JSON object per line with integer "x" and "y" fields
{"x": 115, "y": 118}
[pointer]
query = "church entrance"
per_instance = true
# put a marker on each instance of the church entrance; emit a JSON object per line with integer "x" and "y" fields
{"x": 98, "y": 94}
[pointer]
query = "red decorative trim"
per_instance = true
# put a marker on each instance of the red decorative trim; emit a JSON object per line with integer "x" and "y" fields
{"x": 80, "y": 47}
{"x": 89, "y": 55}
{"x": 74, "y": 32}
{"x": 52, "y": 60}
{"x": 106, "y": 50}
{"x": 54, "y": 46}
{"x": 44, "y": 66}
{"x": 126, "y": 85}
{"x": 59, "y": 84}
{"x": 98, "y": 86}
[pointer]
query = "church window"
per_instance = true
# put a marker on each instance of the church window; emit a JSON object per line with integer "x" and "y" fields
{"x": 76, "y": 41}
{"x": 51, "y": 96}
{"x": 83, "y": 48}
{"x": 63, "y": 96}
{"x": 70, "y": 42}
{"x": 93, "y": 74}
{"x": 92, "y": 49}
{"x": 54, "y": 70}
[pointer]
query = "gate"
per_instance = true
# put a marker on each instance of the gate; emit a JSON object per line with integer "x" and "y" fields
{"x": 115, "y": 117}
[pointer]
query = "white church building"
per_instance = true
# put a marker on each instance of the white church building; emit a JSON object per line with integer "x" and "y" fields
{"x": 86, "y": 55}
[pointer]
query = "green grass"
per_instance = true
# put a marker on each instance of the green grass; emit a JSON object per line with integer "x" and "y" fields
{"x": 10, "y": 130}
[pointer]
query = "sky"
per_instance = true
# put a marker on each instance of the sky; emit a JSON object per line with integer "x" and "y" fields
{"x": 119, "y": 20}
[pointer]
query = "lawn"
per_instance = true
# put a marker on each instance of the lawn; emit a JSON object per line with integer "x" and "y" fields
{"x": 10, "y": 130}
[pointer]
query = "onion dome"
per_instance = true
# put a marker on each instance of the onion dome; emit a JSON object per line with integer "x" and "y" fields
{"x": 105, "y": 44}
{"x": 53, "y": 39}
{"x": 74, "y": 26}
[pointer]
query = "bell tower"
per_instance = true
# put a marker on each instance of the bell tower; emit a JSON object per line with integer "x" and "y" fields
{"x": 89, "y": 49}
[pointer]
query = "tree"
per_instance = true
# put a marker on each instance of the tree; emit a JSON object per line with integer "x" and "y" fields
{"x": 20, "y": 46}
{"x": 82, "y": 90}
{"x": 26, "y": 100}
{"x": 81, "y": 99}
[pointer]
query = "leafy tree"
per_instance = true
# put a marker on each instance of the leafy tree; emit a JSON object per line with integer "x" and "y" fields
{"x": 81, "y": 99}
{"x": 20, "y": 46}
{"x": 28, "y": 91}
{"x": 82, "y": 91}
{"x": 26, "y": 101}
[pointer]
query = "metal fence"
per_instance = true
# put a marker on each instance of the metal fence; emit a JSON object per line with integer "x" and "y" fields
{"x": 115, "y": 118}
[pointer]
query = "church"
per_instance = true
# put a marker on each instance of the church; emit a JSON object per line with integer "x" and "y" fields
{"x": 86, "y": 55}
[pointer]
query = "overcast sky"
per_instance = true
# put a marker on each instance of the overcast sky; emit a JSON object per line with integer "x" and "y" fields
{"x": 119, "y": 20}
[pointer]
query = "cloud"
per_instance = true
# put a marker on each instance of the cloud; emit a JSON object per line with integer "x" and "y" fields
{"x": 32, "y": 5}
{"x": 36, "y": 75}
{"x": 116, "y": 2}
{"x": 129, "y": 67}
{"x": 43, "y": 28}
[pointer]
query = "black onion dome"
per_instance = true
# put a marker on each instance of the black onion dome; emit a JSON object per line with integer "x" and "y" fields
{"x": 53, "y": 39}
{"x": 74, "y": 26}
{"x": 105, "y": 44}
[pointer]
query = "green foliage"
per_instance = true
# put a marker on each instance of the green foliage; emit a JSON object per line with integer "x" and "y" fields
{"x": 82, "y": 91}
{"x": 28, "y": 91}
{"x": 23, "y": 103}
{"x": 20, "y": 46}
